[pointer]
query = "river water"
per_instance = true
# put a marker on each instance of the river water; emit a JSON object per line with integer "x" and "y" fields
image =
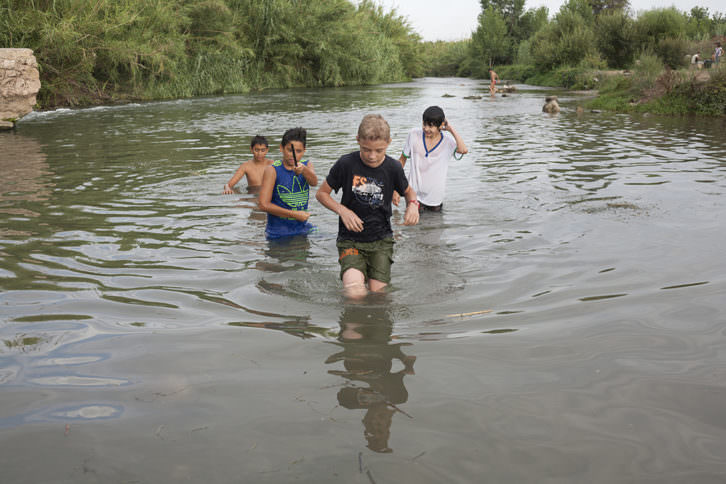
{"x": 562, "y": 321}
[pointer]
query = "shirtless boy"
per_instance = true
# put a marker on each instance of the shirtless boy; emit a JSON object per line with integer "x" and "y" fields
{"x": 253, "y": 168}
{"x": 493, "y": 77}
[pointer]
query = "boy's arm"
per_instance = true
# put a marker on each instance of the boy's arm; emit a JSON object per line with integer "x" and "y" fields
{"x": 411, "y": 215}
{"x": 227, "y": 189}
{"x": 265, "y": 200}
{"x": 396, "y": 197}
{"x": 402, "y": 159}
{"x": 460, "y": 146}
{"x": 351, "y": 221}
{"x": 308, "y": 171}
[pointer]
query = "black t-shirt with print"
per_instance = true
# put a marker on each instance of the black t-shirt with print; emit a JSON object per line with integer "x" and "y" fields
{"x": 367, "y": 192}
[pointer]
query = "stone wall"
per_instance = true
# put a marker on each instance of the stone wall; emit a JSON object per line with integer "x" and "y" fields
{"x": 19, "y": 84}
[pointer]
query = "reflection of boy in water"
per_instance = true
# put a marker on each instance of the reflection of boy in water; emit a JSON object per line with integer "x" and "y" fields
{"x": 368, "y": 358}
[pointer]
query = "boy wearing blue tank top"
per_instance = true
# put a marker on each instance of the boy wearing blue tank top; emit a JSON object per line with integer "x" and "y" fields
{"x": 285, "y": 189}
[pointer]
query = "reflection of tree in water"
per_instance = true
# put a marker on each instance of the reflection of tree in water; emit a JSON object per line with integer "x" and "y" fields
{"x": 24, "y": 169}
{"x": 24, "y": 182}
{"x": 367, "y": 355}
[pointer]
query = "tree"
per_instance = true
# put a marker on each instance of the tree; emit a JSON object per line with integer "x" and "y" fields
{"x": 608, "y": 6}
{"x": 510, "y": 11}
{"x": 699, "y": 23}
{"x": 520, "y": 24}
{"x": 615, "y": 36}
{"x": 567, "y": 40}
{"x": 490, "y": 43}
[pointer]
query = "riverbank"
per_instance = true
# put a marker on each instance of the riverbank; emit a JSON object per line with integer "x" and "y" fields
{"x": 679, "y": 93}
{"x": 647, "y": 88}
{"x": 109, "y": 51}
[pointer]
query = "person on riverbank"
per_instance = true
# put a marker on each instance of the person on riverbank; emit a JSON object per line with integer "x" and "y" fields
{"x": 368, "y": 178}
{"x": 285, "y": 189}
{"x": 429, "y": 149}
{"x": 252, "y": 169}
{"x": 717, "y": 53}
{"x": 493, "y": 78}
{"x": 696, "y": 62}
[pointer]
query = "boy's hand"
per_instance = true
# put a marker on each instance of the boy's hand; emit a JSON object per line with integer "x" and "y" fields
{"x": 300, "y": 216}
{"x": 351, "y": 221}
{"x": 299, "y": 168}
{"x": 411, "y": 215}
{"x": 227, "y": 190}
{"x": 396, "y": 198}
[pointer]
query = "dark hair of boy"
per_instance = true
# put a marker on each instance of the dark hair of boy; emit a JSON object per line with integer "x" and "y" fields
{"x": 259, "y": 140}
{"x": 434, "y": 116}
{"x": 294, "y": 134}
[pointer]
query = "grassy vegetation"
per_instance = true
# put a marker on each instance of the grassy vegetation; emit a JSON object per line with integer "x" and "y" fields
{"x": 586, "y": 42}
{"x": 92, "y": 51}
{"x": 101, "y": 51}
{"x": 683, "y": 92}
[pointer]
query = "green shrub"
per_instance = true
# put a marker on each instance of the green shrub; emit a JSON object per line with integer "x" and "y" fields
{"x": 654, "y": 25}
{"x": 564, "y": 42}
{"x": 646, "y": 70}
{"x": 615, "y": 34}
{"x": 524, "y": 55}
{"x": 444, "y": 58}
{"x": 94, "y": 50}
{"x": 516, "y": 72}
{"x": 673, "y": 52}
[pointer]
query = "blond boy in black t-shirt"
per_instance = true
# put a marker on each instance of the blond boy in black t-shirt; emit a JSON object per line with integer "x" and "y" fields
{"x": 368, "y": 179}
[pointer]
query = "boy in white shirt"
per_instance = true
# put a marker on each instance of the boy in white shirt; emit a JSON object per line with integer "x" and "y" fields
{"x": 428, "y": 150}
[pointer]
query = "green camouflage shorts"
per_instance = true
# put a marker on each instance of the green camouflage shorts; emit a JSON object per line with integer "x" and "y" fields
{"x": 373, "y": 259}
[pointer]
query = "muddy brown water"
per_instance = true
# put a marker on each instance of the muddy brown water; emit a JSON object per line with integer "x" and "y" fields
{"x": 562, "y": 321}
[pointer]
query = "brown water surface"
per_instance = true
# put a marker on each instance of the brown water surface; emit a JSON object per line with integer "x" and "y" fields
{"x": 562, "y": 321}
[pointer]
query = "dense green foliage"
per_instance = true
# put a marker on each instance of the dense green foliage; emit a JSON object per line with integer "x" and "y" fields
{"x": 614, "y": 34}
{"x": 92, "y": 51}
{"x": 587, "y": 33}
{"x": 95, "y": 50}
{"x": 443, "y": 59}
{"x": 504, "y": 25}
{"x": 587, "y": 42}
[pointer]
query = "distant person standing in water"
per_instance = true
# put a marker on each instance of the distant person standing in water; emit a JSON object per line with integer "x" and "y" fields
{"x": 428, "y": 150}
{"x": 493, "y": 77}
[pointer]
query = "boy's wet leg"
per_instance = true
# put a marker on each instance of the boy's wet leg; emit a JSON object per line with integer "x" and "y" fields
{"x": 354, "y": 284}
{"x": 376, "y": 285}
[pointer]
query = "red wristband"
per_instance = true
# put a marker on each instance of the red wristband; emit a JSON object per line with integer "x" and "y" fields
{"x": 414, "y": 202}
